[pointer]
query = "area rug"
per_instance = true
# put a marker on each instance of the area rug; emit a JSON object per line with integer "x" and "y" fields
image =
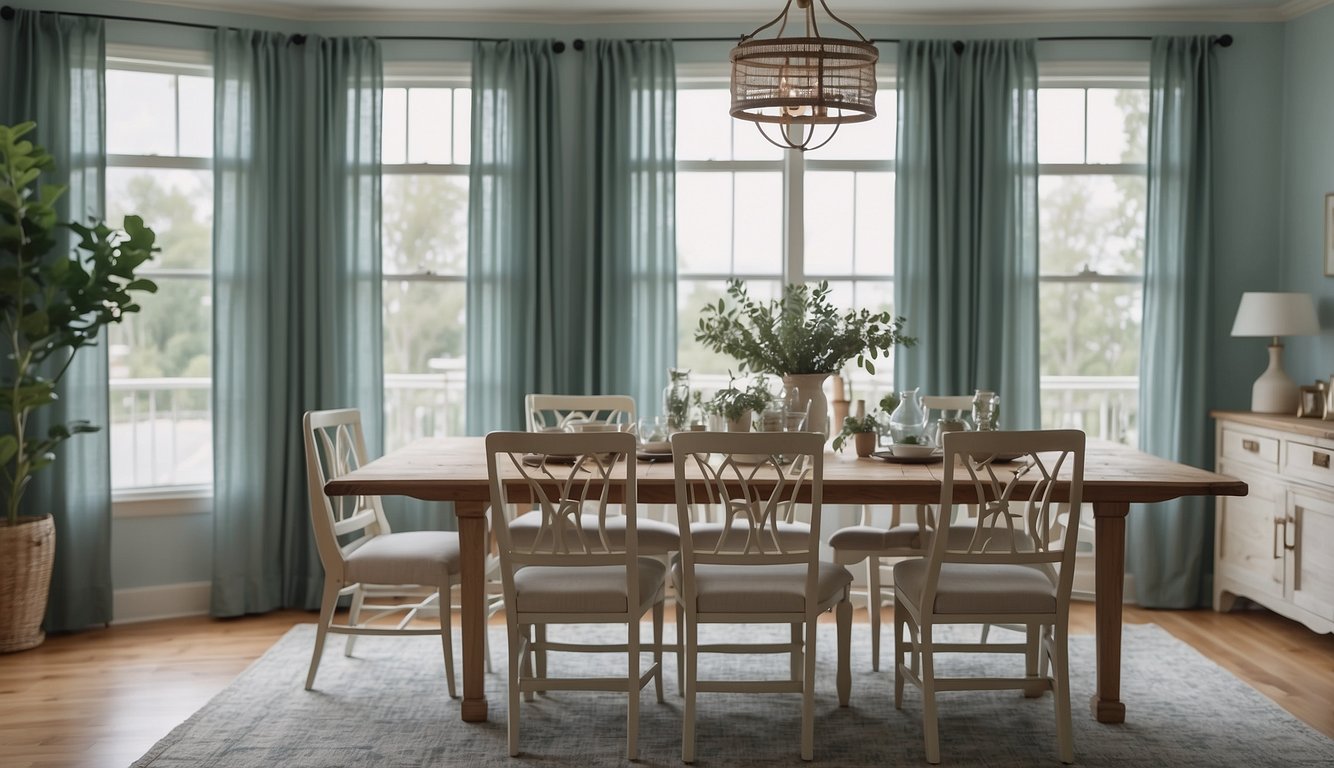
{"x": 387, "y": 706}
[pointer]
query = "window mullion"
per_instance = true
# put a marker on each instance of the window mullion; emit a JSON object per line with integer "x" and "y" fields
{"x": 794, "y": 216}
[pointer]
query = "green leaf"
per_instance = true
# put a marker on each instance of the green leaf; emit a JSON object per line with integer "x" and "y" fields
{"x": 9, "y": 447}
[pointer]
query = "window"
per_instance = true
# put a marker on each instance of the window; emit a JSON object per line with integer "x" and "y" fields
{"x": 747, "y": 210}
{"x": 426, "y": 148}
{"x": 159, "y": 128}
{"x": 1092, "y": 139}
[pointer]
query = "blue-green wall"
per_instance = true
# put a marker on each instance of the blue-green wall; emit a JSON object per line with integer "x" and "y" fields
{"x": 1275, "y": 109}
{"x": 1308, "y": 175}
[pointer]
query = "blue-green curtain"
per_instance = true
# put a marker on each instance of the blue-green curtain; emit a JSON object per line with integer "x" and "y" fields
{"x": 1169, "y": 545}
{"x": 630, "y": 98}
{"x": 297, "y": 322}
{"x": 54, "y": 74}
{"x": 966, "y": 214}
{"x": 523, "y": 316}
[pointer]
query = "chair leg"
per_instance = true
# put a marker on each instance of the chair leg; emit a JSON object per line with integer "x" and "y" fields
{"x": 1032, "y": 657}
{"x": 447, "y": 636}
{"x": 795, "y": 657}
{"x": 1065, "y": 742}
{"x": 843, "y": 613}
{"x": 515, "y": 664}
{"x": 680, "y": 650}
{"x": 632, "y": 685}
{"x": 658, "y": 609}
{"x": 900, "y": 618}
{"x": 930, "y": 722}
{"x": 354, "y": 616}
{"x": 873, "y": 608}
{"x": 526, "y": 663}
{"x": 540, "y": 650}
{"x": 327, "y": 606}
{"x": 688, "y": 716}
{"x": 808, "y": 693}
{"x": 1044, "y": 633}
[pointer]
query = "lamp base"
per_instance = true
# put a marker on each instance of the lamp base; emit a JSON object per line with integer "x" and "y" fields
{"x": 1274, "y": 391}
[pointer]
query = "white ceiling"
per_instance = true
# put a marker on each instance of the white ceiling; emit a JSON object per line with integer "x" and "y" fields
{"x": 901, "y": 11}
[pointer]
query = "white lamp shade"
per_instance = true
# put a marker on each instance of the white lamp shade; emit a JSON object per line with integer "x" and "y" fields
{"x": 1275, "y": 314}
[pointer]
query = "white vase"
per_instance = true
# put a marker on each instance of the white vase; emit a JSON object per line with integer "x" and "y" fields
{"x": 810, "y": 390}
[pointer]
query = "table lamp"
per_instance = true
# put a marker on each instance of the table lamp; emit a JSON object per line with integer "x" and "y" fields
{"x": 1275, "y": 315}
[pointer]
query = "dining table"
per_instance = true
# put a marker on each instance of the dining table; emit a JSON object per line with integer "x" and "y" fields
{"x": 453, "y": 469}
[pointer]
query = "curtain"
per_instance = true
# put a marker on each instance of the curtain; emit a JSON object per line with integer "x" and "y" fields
{"x": 1169, "y": 545}
{"x": 54, "y": 74}
{"x": 630, "y": 97}
{"x": 523, "y": 314}
{"x": 965, "y": 243}
{"x": 297, "y": 323}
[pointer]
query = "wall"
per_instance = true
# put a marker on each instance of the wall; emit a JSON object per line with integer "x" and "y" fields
{"x": 1308, "y": 175}
{"x": 1249, "y": 172}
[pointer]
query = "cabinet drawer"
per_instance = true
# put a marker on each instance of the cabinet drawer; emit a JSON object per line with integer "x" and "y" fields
{"x": 1250, "y": 448}
{"x": 1309, "y": 462}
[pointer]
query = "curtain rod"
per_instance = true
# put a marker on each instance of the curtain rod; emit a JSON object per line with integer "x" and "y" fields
{"x": 7, "y": 13}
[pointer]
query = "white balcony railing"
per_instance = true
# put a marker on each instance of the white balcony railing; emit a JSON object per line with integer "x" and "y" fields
{"x": 161, "y": 428}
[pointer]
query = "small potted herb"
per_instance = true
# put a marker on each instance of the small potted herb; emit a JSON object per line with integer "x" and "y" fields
{"x": 738, "y": 405}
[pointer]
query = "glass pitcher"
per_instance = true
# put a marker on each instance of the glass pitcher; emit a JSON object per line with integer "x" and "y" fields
{"x": 907, "y": 424}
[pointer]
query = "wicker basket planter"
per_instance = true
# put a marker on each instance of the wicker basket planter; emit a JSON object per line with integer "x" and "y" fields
{"x": 27, "y": 551}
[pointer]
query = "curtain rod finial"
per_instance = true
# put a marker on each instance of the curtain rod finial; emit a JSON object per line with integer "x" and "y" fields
{"x": 558, "y": 46}
{"x": 958, "y": 46}
{"x": 578, "y": 43}
{"x": 1225, "y": 41}
{"x": 7, "y": 13}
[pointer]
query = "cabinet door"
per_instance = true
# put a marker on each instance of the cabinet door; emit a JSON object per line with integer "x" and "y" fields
{"x": 1250, "y": 547}
{"x": 1309, "y": 543}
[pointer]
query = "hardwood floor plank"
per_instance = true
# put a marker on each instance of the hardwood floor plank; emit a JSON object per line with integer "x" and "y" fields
{"x": 104, "y": 697}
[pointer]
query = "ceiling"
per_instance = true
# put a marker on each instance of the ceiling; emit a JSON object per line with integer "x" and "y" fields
{"x": 900, "y": 11}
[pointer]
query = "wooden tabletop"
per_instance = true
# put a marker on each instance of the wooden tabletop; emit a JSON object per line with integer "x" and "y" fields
{"x": 454, "y": 469}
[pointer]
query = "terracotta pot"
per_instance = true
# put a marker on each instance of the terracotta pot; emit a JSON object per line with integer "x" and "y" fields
{"x": 739, "y": 425}
{"x": 27, "y": 552}
{"x": 864, "y": 442}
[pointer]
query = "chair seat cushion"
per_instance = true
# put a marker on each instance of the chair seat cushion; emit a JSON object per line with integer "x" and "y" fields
{"x": 874, "y": 538}
{"x": 412, "y": 557}
{"x": 654, "y": 537}
{"x": 760, "y": 588}
{"x": 978, "y": 588}
{"x": 792, "y": 537}
{"x": 583, "y": 589}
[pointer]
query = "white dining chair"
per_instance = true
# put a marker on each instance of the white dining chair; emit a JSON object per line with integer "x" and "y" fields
{"x": 549, "y": 413}
{"x": 374, "y": 563}
{"x": 763, "y": 578}
{"x": 576, "y": 569}
{"x": 1012, "y": 570}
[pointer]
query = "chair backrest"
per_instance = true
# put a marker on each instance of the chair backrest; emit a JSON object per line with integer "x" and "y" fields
{"x": 560, "y": 412}
{"x": 757, "y": 479}
{"x": 336, "y": 445}
{"x": 1020, "y": 482}
{"x": 572, "y": 479}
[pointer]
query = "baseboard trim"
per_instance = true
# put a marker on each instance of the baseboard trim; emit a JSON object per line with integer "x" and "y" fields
{"x": 168, "y": 601}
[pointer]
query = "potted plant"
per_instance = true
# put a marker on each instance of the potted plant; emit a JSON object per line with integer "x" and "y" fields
{"x": 737, "y": 405}
{"x": 800, "y": 336}
{"x": 52, "y": 303}
{"x": 864, "y": 430}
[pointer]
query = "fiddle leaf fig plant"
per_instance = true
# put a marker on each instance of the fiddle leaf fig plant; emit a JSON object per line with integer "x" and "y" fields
{"x": 52, "y": 303}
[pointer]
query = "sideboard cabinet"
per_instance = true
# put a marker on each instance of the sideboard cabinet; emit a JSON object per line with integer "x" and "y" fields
{"x": 1275, "y": 546}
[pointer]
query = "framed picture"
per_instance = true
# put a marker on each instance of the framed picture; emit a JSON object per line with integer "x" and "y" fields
{"x": 1329, "y": 234}
{"x": 1311, "y": 402}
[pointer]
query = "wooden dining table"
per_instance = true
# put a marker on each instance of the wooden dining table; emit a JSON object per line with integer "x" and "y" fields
{"x": 453, "y": 469}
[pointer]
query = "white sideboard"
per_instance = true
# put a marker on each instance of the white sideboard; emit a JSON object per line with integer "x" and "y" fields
{"x": 1275, "y": 546}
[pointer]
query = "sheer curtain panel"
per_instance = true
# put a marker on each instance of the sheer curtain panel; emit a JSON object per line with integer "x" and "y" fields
{"x": 1169, "y": 545}
{"x": 966, "y": 213}
{"x": 297, "y": 322}
{"x": 630, "y": 146}
{"x": 54, "y": 74}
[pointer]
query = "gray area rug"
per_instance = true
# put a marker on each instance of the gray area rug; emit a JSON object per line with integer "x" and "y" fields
{"x": 388, "y": 706}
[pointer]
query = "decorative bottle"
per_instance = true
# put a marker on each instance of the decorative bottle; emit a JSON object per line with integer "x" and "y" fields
{"x": 676, "y": 399}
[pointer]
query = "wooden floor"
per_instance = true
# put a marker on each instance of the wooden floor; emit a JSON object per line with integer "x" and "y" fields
{"x": 102, "y": 698}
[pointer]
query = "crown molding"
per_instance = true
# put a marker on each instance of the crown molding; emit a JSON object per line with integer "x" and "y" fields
{"x": 1287, "y": 11}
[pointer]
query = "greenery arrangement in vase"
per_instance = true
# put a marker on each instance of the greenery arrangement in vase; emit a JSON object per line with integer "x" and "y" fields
{"x": 51, "y": 305}
{"x": 737, "y": 405}
{"x": 799, "y": 334}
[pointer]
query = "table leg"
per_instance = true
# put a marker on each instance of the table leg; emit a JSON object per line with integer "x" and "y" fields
{"x": 1109, "y": 577}
{"x": 472, "y": 554}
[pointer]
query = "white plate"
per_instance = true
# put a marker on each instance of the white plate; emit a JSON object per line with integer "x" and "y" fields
{"x": 892, "y": 459}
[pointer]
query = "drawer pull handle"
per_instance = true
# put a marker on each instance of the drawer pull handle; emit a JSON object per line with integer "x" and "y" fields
{"x": 1250, "y": 446}
{"x": 1320, "y": 460}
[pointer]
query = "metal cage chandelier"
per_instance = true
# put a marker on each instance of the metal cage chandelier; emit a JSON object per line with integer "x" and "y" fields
{"x": 798, "y": 83}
